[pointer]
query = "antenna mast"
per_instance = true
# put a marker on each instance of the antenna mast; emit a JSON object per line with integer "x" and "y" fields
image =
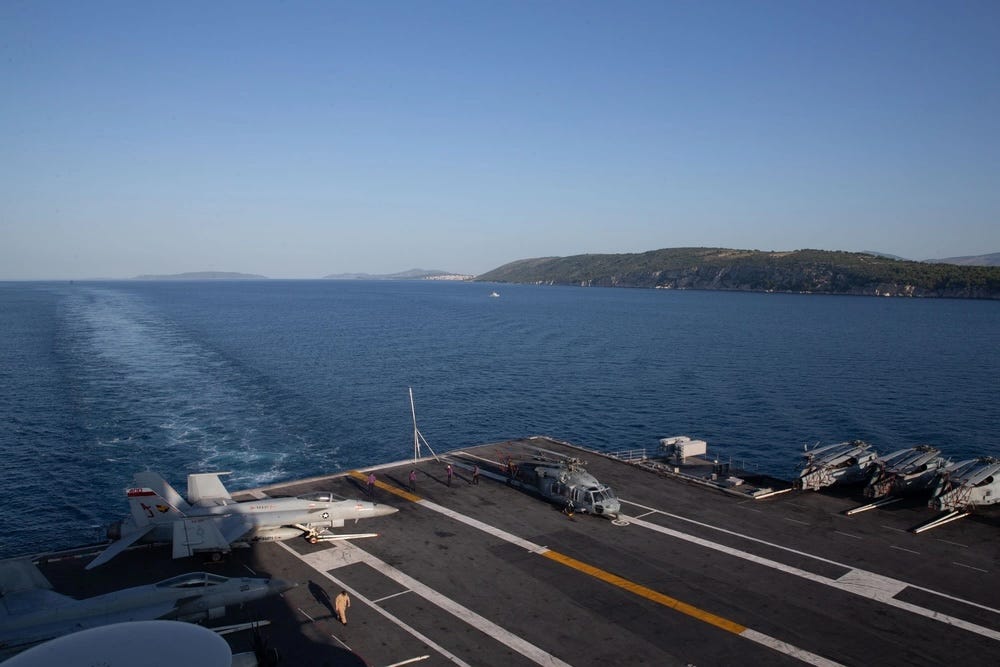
{"x": 418, "y": 437}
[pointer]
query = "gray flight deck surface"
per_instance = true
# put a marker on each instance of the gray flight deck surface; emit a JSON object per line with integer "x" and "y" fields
{"x": 489, "y": 575}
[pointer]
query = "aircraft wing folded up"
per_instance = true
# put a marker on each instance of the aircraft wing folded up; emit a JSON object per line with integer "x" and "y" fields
{"x": 235, "y": 526}
{"x": 198, "y": 534}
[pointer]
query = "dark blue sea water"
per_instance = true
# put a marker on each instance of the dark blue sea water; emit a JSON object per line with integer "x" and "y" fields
{"x": 276, "y": 380}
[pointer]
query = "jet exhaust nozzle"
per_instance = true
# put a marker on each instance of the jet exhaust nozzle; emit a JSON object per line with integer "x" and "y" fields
{"x": 114, "y": 531}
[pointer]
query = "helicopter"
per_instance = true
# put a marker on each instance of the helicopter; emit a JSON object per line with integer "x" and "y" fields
{"x": 562, "y": 480}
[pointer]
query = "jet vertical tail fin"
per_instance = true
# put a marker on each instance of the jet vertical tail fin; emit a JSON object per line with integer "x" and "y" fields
{"x": 153, "y": 501}
{"x": 206, "y": 490}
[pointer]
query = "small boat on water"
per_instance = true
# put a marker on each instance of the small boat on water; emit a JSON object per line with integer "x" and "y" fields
{"x": 841, "y": 463}
{"x": 905, "y": 471}
{"x": 968, "y": 484}
{"x": 494, "y": 294}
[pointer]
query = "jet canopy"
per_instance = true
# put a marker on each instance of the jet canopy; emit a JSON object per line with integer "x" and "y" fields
{"x": 193, "y": 580}
{"x": 320, "y": 497}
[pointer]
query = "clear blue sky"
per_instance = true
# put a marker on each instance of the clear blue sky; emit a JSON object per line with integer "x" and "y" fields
{"x": 297, "y": 139}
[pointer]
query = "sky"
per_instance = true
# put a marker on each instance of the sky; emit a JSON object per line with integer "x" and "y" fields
{"x": 299, "y": 139}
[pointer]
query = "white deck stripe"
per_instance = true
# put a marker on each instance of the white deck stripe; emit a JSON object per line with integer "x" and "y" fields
{"x": 484, "y": 625}
{"x": 413, "y": 631}
{"x": 750, "y": 634}
{"x": 809, "y": 555}
{"x": 485, "y": 527}
{"x": 849, "y": 582}
{"x": 787, "y": 649}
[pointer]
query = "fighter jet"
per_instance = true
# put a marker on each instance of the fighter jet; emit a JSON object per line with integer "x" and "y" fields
{"x": 31, "y": 612}
{"x": 211, "y": 521}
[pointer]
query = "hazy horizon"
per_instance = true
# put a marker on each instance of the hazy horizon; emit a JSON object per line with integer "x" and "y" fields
{"x": 298, "y": 141}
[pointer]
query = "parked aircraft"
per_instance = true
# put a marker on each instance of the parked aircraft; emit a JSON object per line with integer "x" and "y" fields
{"x": 968, "y": 484}
{"x": 31, "y": 612}
{"x": 211, "y": 521}
{"x": 841, "y": 463}
{"x": 563, "y": 480}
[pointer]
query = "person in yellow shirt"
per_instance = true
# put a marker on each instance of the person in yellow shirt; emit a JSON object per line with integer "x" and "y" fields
{"x": 341, "y": 603}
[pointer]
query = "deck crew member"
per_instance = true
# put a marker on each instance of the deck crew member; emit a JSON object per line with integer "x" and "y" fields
{"x": 341, "y": 603}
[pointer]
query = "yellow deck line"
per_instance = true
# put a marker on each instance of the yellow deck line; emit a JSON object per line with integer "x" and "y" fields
{"x": 597, "y": 573}
{"x": 405, "y": 495}
{"x": 648, "y": 593}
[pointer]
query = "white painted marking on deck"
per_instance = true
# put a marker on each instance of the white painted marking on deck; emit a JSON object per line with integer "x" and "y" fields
{"x": 311, "y": 619}
{"x": 954, "y": 544}
{"x": 875, "y": 590}
{"x": 870, "y": 585}
{"x": 419, "y": 658}
{"x": 341, "y": 642}
{"x": 893, "y": 546}
{"x": 804, "y": 523}
{"x": 978, "y": 569}
{"x": 787, "y": 649}
{"x": 335, "y": 557}
{"x": 361, "y": 598}
{"x": 485, "y": 527}
{"x": 389, "y": 597}
{"x": 481, "y": 623}
{"x": 259, "y": 495}
{"x": 898, "y": 530}
{"x": 755, "y": 636}
{"x": 799, "y": 552}
{"x": 840, "y": 532}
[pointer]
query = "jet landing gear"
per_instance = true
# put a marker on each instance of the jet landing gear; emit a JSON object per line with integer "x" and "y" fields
{"x": 315, "y": 537}
{"x": 214, "y": 557}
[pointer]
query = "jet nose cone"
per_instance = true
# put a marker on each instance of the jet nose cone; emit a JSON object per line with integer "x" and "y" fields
{"x": 383, "y": 510}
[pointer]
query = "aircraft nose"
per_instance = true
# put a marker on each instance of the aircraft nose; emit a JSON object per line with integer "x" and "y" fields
{"x": 383, "y": 510}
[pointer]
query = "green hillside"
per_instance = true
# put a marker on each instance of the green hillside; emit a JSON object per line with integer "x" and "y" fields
{"x": 809, "y": 271}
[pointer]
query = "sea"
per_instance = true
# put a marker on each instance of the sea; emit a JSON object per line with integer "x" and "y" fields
{"x": 275, "y": 380}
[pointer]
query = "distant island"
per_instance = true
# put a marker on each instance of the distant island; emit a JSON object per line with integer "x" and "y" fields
{"x": 799, "y": 271}
{"x": 203, "y": 275}
{"x": 992, "y": 259}
{"x": 412, "y": 274}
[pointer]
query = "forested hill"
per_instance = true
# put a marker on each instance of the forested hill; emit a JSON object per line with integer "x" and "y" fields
{"x": 810, "y": 271}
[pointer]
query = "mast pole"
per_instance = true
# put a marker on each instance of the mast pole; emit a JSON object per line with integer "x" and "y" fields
{"x": 416, "y": 433}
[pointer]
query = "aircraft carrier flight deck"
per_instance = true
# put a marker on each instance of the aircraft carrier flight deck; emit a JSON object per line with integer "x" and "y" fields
{"x": 688, "y": 574}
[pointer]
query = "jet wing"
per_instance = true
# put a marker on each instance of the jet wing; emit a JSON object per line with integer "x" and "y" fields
{"x": 148, "y": 613}
{"x": 235, "y": 526}
{"x": 199, "y": 534}
{"x": 206, "y": 490}
{"x": 35, "y": 633}
{"x": 119, "y": 546}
